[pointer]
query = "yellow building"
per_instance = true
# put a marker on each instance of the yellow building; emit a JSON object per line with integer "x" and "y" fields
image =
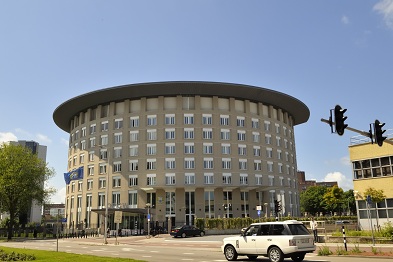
{"x": 372, "y": 167}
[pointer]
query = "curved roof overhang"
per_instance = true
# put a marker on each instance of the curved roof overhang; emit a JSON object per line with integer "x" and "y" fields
{"x": 67, "y": 110}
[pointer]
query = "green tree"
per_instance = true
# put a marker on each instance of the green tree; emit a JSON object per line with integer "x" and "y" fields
{"x": 312, "y": 201}
{"x": 375, "y": 194}
{"x": 22, "y": 179}
{"x": 333, "y": 198}
{"x": 349, "y": 203}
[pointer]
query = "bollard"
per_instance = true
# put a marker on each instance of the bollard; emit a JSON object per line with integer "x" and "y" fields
{"x": 345, "y": 239}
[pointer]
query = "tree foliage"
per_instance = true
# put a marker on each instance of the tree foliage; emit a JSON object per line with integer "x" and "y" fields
{"x": 22, "y": 179}
{"x": 375, "y": 194}
{"x": 333, "y": 198}
{"x": 312, "y": 201}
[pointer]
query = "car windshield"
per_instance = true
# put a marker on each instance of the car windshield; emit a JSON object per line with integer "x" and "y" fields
{"x": 298, "y": 229}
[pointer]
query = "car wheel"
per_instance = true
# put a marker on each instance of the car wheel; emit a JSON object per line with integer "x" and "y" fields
{"x": 275, "y": 254}
{"x": 298, "y": 258}
{"x": 202, "y": 234}
{"x": 183, "y": 235}
{"x": 252, "y": 257}
{"x": 230, "y": 253}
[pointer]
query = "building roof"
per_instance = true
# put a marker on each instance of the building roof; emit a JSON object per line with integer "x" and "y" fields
{"x": 67, "y": 110}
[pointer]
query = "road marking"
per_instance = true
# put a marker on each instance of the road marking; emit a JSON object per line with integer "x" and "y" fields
{"x": 188, "y": 253}
{"x": 154, "y": 251}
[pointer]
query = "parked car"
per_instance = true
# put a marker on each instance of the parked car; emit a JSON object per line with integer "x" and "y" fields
{"x": 275, "y": 240}
{"x": 186, "y": 231}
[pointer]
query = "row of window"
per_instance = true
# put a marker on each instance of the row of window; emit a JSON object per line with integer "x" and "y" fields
{"x": 189, "y": 163}
{"x": 188, "y": 119}
{"x": 170, "y": 179}
{"x": 370, "y": 168}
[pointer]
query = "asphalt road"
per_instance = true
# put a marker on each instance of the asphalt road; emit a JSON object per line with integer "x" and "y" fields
{"x": 161, "y": 249}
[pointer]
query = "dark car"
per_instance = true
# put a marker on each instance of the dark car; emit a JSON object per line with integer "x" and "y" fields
{"x": 186, "y": 231}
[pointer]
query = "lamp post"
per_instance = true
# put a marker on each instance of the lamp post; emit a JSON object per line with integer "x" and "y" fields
{"x": 265, "y": 204}
{"x": 57, "y": 230}
{"x": 148, "y": 219}
{"x": 106, "y": 199}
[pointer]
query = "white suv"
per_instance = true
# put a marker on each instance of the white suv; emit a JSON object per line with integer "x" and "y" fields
{"x": 275, "y": 240}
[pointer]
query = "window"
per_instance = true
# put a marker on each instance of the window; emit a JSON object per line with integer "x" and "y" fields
{"x": 152, "y": 120}
{"x": 226, "y": 149}
{"x": 241, "y": 135}
{"x": 243, "y": 179}
{"x": 271, "y": 180}
{"x": 208, "y": 178}
{"x": 256, "y": 151}
{"x": 279, "y": 154}
{"x": 151, "y": 179}
{"x": 226, "y": 179}
{"x": 101, "y": 200}
{"x": 134, "y": 136}
{"x": 151, "y": 149}
{"x": 102, "y": 183}
{"x": 134, "y": 150}
{"x": 118, "y": 138}
{"x": 225, "y": 134}
{"x": 133, "y": 165}
{"x": 269, "y": 152}
{"x": 256, "y": 137}
{"x": 226, "y": 163}
{"x": 151, "y": 164}
{"x": 267, "y": 126}
{"x": 188, "y": 133}
{"x": 104, "y": 140}
{"x": 278, "y": 129}
{"x": 189, "y": 148}
{"x": 208, "y": 163}
{"x": 270, "y": 166}
{"x": 134, "y": 121}
{"x": 132, "y": 180}
{"x": 242, "y": 150}
{"x": 91, "y": 156}
{"x": 115, "y": 199}
{"x": 81, "y": 158}
{"x": 207, "y": 133}
{"x": 188, "y": 119}
{"x": 224, "y": 120}
{"x": 257, "y": 165}
{"x": 170, "y": 163}
{"x": 116, "y": 182}
{"x": 207, "y": 119}
{"x": 91, "y": 170}
{"x": 89, "y": 184}
{"x": 80, "y": 186}
{"x": 103, "y": 168}
{"x": 83, "y": 131}
{"x": 207, "y": 148}
{"x": 151, "y": 134}
{"x": 132, "y": 199}
{"x": 170, "y": 133}
{"x": 93, "y": 129}
{"x": 92, "y": 142}
{"x": 83, "y": 145}
{"x": 280, "y": 168}
{"x": 278, "y": 141}
{"x": 189, "y": 163}
{"x": 240, "y": 121}
{"x": 255, "y": 123}
{"x": 104, "y": 126}
{"x": 268, "y": 139}
{"x": 119, "y": 123}
{"x": 258, "y": 179}
{"x": 243, "y": 164}
{"x": 170, "y": 119}
{"x": 103, "y": 154}
{"x": 189, "y": 178}
{"x": 170, "y": 149}
{"x": 170, "y": 179}
{"x": 117, "y": 167}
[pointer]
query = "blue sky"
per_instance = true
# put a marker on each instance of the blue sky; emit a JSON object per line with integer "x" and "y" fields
{"x": 322, "y": 52}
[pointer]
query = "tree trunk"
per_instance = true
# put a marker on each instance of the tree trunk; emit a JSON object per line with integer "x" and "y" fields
{"x": 10, "y": 226}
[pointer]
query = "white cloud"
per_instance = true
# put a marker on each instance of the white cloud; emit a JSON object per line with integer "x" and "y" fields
{"x": 64, "y": 142}
{"x": 385, "y": 7}
{"x": 345, "y": 161}
{"x": 345, "y": 20}
{"x": 43, "y": 139}
{"x": 342, "y": 180}
{"x": 8, "y": 136}
{"x": 59, "y": 196}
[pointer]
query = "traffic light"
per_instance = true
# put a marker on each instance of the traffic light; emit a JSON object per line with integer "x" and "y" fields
{"x": 277, "y": 206}
{"x": 339, "y": 119}
{"x": 379, "y": 132}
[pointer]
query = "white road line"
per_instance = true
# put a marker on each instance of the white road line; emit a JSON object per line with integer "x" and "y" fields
{"x": 188, "y": 253}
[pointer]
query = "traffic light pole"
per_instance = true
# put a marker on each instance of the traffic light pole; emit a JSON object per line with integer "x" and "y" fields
{"x": 367, "y": 134}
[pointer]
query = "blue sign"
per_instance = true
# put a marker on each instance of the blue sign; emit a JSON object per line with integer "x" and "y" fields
{"x": 64, "y": 220}
{"x": 259, "y": 212}
{"x": 148, "y": 216}
{"x": 369, "y": 199}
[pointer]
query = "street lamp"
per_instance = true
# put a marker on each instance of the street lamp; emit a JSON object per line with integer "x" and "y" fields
{"x": 106, "y": 198}
{"x": 265, "y": 204}
{"x": 148, "y": 205}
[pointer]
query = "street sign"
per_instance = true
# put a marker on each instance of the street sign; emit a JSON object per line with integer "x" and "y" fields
{"x": 118, "y": 216}
{"x": 64, "y": 220}
{"x": 369, "y": 199}
{"x": 259, "y": 212}
{"x": 148, "y": 217}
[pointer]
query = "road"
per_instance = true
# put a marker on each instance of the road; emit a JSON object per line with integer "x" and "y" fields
{"x": 162, "y": 249}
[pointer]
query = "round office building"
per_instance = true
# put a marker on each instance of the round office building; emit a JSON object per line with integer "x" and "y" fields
{"x": 169, "y": 152}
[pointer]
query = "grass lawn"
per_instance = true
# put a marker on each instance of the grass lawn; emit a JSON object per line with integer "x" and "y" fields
{"x": 42, "y": 255}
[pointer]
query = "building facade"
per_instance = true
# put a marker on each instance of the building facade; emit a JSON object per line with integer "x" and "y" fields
{"x": 372, "y": 168}
{"x": 185, "y": 149}
{"x": 304, "y": 184}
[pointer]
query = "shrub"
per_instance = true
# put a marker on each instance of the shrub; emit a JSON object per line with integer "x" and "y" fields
{"x": 356, "y": 250}
{"x": 15, "y": 256}
{"x": 341, "y": 251}
{"x": 324, "y": 251}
